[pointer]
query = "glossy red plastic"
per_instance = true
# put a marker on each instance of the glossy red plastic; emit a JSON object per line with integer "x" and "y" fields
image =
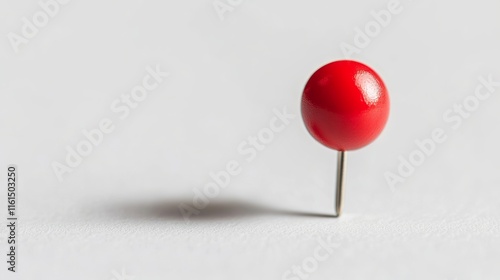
{"x": 345, "y": 105}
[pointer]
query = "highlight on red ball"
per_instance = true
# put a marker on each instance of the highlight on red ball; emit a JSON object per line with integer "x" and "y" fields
{"x": 345, "y": 105}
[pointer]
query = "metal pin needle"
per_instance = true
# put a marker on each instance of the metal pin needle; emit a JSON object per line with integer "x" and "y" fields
{"x": 340, "y": 183}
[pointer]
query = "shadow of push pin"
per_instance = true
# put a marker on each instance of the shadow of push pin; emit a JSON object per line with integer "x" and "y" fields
{"x": 345, "y": 106}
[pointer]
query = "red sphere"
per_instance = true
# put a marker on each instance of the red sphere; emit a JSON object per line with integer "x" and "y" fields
{"x": 345, "y": 105}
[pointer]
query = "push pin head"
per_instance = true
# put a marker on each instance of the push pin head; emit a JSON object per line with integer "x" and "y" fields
{"x": 345, "y": 106}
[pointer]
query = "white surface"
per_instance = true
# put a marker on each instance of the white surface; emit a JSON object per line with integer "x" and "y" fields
{"x": 117, "y": 210}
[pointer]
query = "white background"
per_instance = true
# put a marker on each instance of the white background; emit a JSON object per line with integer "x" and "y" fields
{"x": 117, "y": 211}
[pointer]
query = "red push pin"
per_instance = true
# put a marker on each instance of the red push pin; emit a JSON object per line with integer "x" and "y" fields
{"x": 345, "y": 106}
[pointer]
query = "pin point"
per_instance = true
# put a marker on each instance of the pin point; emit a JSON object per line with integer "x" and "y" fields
{"x": 345, "y": 106}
